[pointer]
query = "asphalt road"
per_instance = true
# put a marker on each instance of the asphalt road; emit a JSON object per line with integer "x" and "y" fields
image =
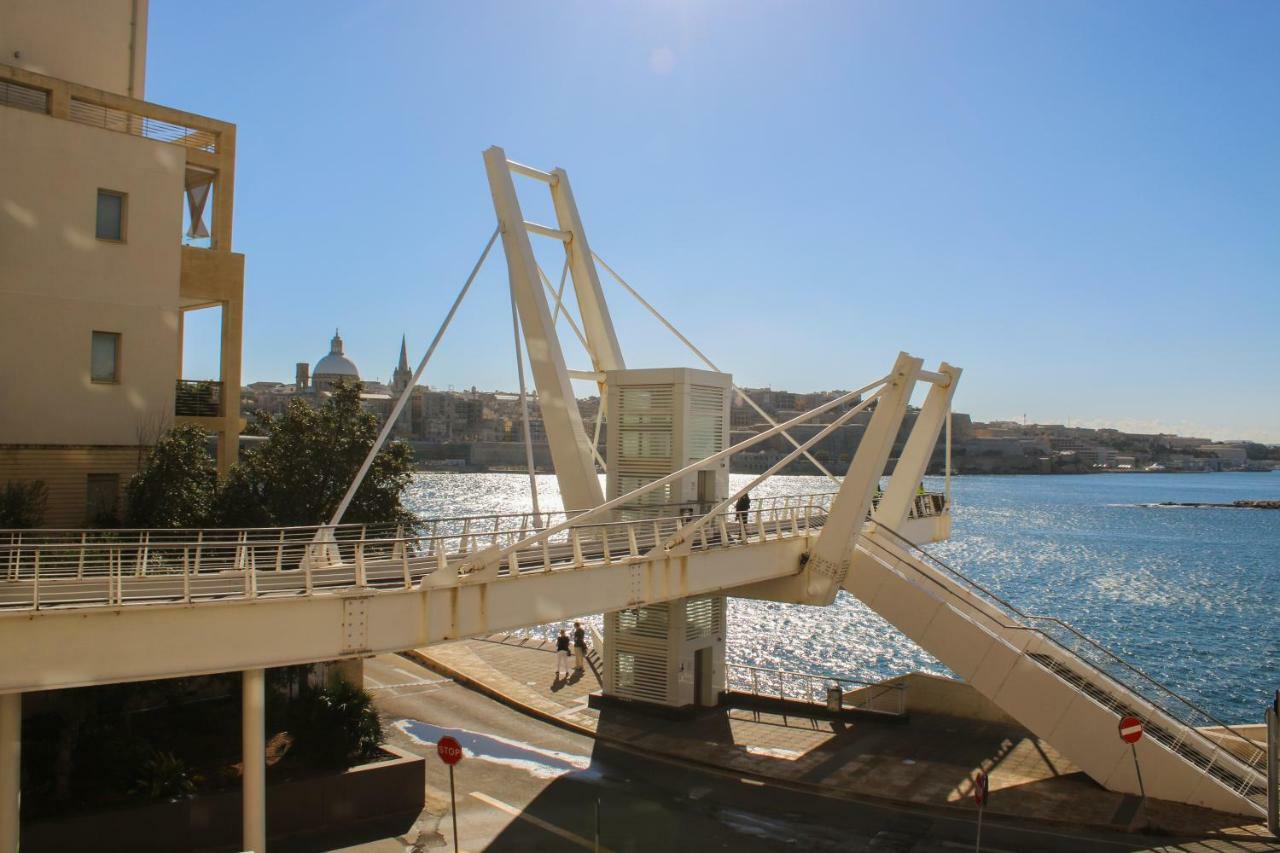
{"x": 528, "y": 786}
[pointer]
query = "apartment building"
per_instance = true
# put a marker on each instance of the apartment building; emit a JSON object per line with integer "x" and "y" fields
{"x": 115, "y": 222}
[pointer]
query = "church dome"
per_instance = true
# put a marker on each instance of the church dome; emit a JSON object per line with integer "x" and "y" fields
{"x": 335, "y": 365}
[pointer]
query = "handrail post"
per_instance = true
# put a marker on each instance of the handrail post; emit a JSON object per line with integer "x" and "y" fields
{"x": 404, "y": 562}
{"x": 280, "y": 551}
{"x": 359, "y": 560}
{"x": 186, "y": 575}
{"x": 35, "y": 582}
{"x": 80, "y": 562}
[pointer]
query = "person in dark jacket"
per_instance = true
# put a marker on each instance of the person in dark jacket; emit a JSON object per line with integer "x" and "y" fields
{"x": 742, "y": 507}
{"x": 562, "y": 655}
{"x": 579, "y": 645}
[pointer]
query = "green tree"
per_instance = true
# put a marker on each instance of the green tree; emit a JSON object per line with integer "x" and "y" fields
{"x": 22, "y": 504}
{"x": 177, "y": 484}
{"x": 335, "y": 726}
{"x": 300, "y": 473}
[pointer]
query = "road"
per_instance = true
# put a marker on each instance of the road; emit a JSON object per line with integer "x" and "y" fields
{"x": 528, "y": 786}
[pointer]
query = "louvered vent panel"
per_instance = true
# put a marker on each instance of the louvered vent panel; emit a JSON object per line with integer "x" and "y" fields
{"x": 706, "y": 428}
{"x": 644, "y": 423}
{"x": 704, "y": 617}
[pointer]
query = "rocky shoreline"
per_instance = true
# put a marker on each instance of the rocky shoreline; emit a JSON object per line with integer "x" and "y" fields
{"x": 1232, "y": 505}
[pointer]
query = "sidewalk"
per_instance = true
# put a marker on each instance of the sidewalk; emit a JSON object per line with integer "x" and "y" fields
{"x": 927, "y": 759}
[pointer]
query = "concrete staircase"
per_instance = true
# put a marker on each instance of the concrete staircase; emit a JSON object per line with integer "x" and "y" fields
{"x": 1057, "y": 682}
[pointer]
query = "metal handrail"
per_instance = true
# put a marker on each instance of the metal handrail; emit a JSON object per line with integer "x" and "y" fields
{"x": 1018, "y": 612}
{"x": 810, "y": 679}
{"x": 238, "y": 563}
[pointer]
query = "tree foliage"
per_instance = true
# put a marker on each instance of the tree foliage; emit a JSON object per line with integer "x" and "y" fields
{"x": 335, "y": 726}
{"x": 301, "y": 472}
{"x": 22, "y": 504}
{"x": 177, "y": 484}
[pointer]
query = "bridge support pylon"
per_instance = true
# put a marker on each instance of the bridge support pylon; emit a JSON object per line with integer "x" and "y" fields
{"x": 10, "y": 770}
{"x": 254, "y": 755}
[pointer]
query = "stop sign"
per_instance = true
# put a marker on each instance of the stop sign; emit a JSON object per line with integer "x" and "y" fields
{"x": 1130, "y": 729}
{"x": 450, "y": 750}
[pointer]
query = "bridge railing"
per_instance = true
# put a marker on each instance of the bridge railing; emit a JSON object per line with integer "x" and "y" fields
{"x": 74, "y": 568}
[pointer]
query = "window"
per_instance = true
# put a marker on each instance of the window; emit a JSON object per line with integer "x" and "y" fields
{"x": 111, "y": 212}
{"x": 101, "y": 496}
{"x": 104, "y": 362}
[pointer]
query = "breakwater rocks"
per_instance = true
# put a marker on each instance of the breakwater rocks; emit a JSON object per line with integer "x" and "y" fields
{"x": 1232, "y": 505}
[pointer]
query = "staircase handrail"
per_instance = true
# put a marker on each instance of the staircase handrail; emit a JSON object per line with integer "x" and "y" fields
{"x": 1018, "y": 612}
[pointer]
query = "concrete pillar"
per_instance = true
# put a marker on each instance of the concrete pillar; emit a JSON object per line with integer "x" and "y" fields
{"x": 254, "y": 755}
{"x": 10, "y": 770}
{"x": 229, "y": 373}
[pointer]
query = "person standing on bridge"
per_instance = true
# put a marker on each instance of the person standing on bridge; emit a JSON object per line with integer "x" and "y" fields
{"x": 579, "y": 645}
{"x": 562, "y": 655}
{"x": 742, "y": 507}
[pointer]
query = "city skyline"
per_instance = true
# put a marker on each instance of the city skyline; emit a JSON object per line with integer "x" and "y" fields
{"x": 1077, "y": 205}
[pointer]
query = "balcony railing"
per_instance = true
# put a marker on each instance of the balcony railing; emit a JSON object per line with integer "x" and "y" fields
{"x": 198, "y": 398}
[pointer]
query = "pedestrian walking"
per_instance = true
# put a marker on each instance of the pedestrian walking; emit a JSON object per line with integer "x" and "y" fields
{"x": 742, "y": 507}
{"x": 579, "y": 645}
{"x": 562, "y": 655}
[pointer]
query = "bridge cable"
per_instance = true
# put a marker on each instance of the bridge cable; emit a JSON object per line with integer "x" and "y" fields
{"x": 524, "y": 412}
{"x": 741, "y": 394}
{"x": 405, "y": 394}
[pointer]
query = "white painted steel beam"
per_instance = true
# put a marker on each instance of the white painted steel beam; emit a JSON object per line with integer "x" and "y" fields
{"x": 602, "y": 340}
{"x": 531, "y": 172}
{"x": 829, "y": 559}
{"x": 253, "y": 743}
{"x": 545, "y": 231}
{"x": 895, "y": 505}
{"x": 53, "y": 649}
{"x": 566, "y": 436}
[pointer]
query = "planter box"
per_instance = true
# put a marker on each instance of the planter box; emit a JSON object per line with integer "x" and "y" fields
{"x": 323, "y": 803}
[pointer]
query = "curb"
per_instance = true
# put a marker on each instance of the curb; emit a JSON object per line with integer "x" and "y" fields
{"x": 947, "y": 811}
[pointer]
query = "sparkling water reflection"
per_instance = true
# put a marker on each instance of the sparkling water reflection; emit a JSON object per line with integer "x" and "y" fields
{"x": 1190, "y": 595}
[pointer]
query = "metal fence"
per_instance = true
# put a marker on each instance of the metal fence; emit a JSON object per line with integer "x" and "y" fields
{"x": 812, "y": 689}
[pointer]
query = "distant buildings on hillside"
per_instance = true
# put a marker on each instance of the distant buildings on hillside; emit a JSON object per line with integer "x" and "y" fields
{"x": 481, "y": 430}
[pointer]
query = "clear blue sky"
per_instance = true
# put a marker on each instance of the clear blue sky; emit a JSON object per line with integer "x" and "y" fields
{"x": 1079, "y": 203}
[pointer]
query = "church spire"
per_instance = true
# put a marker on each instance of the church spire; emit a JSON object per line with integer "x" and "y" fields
{"x": 404, "y": 355}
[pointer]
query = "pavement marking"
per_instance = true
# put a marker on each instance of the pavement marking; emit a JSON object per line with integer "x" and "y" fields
{"x": 411, "y": 675}
{"x": 538, "y": 822}
{"x": 957, "y": 845}
{"x": 375, "y": 682}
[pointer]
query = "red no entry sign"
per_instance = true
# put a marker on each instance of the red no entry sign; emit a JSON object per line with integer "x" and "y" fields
{"x": 981, "y": 788}
{"x": 450, "y": 750}
{"x": 1130, "y": 729}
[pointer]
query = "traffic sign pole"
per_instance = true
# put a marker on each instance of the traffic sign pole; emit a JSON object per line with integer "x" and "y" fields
{"x": 450, "y": 752}
{"x": 453, "y": 807}
{"x": 1138, "y": 769}
{"x": 981, "y": 790}
{"x": 1273, "y": 766}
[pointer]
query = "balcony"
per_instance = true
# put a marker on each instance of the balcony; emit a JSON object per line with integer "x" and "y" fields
{"x": 34, "y": 92}
{"x": 198, "y": 398}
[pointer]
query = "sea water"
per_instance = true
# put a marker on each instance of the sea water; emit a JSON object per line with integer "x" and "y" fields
{"x": 1190, "y": 596}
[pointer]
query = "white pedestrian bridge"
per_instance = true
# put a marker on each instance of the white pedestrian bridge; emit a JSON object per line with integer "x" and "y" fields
{"x": 91, "y": 607}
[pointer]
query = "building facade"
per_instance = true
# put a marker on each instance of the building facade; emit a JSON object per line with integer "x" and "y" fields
{"x": 115, "y": 221}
